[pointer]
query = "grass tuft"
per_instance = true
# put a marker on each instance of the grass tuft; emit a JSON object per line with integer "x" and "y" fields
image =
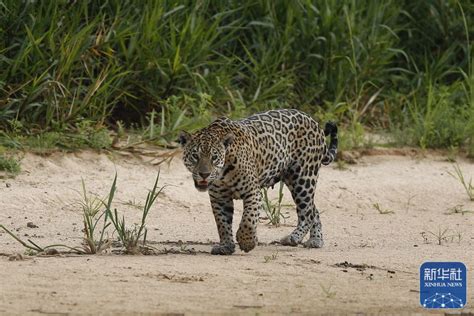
{"x": 92, "y": 215}
{"x": 32, "y": 246}
{"x": 442, "y": 236}
{"x": 467, "y": 185}
{"x": 271, "y": 257}
{"x": 381, "y": 210}
{"x": 327, "y": 291}
{"x": 9, "y": 164}
{"x": 273, "y": 208}
{"x": 130, "y": 237}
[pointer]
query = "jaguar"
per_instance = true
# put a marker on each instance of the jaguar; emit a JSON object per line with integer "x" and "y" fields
{"x": 234, "y": 160}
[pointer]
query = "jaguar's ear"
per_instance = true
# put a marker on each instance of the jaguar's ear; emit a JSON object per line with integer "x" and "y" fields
{"x": 228, "y": 139}
{"x": 184, "y": 138}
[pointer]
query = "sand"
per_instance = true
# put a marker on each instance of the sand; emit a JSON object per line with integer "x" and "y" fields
{"x": 369, "y": 263}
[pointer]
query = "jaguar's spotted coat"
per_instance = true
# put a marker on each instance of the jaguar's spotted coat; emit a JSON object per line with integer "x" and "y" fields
{"x": 235, "y": 159}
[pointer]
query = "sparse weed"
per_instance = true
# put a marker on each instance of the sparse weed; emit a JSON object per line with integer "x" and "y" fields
{"x": 457, "y": 235}
{"x": 130, "y": 237}
{"x": 272, "y": 257}
{"x": 133, "y": 240}
{"x": 32, "y": 246}
{"x": 409, "y": 200}
{"x": 442, "y": 235}
{"x": 381, "y": 210}
{"x": 468, "y": 186}
{"x": 133, "y": 203}
{"x": 327, "y": 291}
{"x": 458, "y": 209}
{"x": 30, "y": 252}
{"x": 92, "y": 214}
{"x": 272, "y": 208}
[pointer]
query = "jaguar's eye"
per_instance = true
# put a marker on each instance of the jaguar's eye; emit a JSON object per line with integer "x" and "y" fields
{"x": 214, "y": 158}
{"x": 195, "y": 156}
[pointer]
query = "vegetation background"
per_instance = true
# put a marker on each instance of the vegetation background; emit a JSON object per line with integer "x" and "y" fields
{"x": 71, "y": 71}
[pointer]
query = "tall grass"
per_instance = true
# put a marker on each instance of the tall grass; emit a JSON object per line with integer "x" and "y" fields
{"x": 404, "y": 65}
{"x": 130, "y": 237}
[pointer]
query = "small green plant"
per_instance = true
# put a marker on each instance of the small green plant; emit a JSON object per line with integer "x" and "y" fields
{"x": 381, "y": 210}
{"x": 458, "y": 209}
{"x": 328, "y": 293}
{"x": 32, "y": 246}
{"x": 29, "y": 252}
{"x": 91, "y": 134}
{"x": 91, "y": 212}
{"x": 272, "y": 208}
{"x": 272, "y": 257}
{"x": 44, "y": 143}
{"x": 468, "y": 186}
{"x": 9, "y": 164}
{"x": 133, "y": 203}
{"x": 100, "y": 139}
{"x": 130, "y": 237}
{"x": 341, "y": 165}
{"x": 409, "y": 200}
{"x": 442, "y": 235}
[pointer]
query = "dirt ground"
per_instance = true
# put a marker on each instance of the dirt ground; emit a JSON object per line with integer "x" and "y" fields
{"x": 369, "y": 264}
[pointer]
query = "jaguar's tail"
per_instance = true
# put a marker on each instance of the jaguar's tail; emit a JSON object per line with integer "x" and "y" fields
{"x": 330, "y": 130}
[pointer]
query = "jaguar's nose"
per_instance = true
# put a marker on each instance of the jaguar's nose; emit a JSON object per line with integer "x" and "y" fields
{"x": 204, "y": 175}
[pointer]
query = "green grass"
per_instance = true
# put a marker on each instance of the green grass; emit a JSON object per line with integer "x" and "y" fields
{"x": 85, "y": 134}
{"x": 327, "y": 291}
{"x": 9, "y": 164}
{"x": 80, "y": 69}
{"x": 92, "y": 216}
{"x": 133, "y": 239}
{"x": 442, "y": 236}
{"x": 101, "y": 211}
{"x": 271, "y": 257}
{"x": 382, "y": 210}
{"x": 273, "y": 208}
{"x": 34, "y": 248}
{"x": 458, "y": 209}
{"x": 467, "y": 185}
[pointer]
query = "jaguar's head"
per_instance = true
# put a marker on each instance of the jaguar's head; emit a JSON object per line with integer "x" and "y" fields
{"x": 204, "y": 156}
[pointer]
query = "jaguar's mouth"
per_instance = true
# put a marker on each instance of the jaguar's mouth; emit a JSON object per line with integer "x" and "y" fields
{"x": 201, "y": 185}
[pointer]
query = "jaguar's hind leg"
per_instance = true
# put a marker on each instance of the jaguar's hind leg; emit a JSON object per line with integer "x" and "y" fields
{"x": 315, "y": 233}
{"x": 302, "y": 190}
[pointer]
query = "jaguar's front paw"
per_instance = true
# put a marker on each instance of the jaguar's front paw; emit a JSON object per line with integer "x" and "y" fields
{"x": 223, "y": 249}
{"x": 289, "y": 240}
{"x": 247, "y": 240}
